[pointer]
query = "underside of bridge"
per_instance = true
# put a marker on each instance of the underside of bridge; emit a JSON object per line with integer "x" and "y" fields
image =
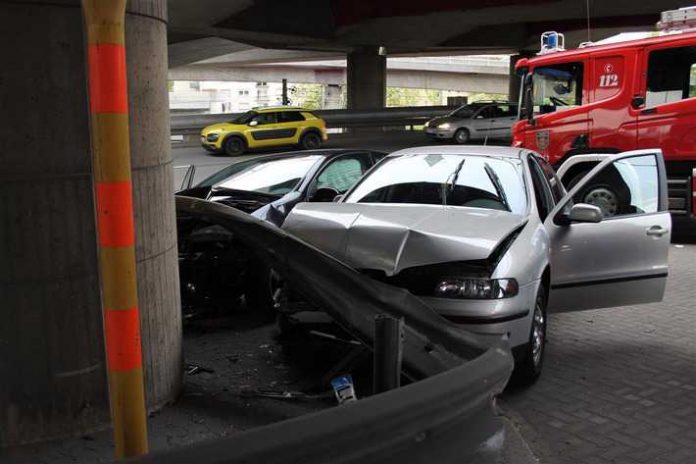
{"x": 274, "y": 31}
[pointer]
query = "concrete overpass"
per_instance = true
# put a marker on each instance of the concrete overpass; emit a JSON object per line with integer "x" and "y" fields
{"x": 441, "y": 73}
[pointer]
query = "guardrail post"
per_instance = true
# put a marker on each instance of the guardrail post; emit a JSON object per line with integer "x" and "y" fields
{"x": 388, "y": 351}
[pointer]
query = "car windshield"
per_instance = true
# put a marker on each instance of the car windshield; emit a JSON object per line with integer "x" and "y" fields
{"x": 465, "y": 111}
{"x": 272, "y": 176}
{"x": 244, "y": 118}
{"x": 446, "y": 179}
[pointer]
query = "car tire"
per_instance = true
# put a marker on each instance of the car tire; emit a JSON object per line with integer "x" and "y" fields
{"x": 529, "y": 363}
{"x": 233, "y": 146}
{"x": 310, "y": 141}
{"x": 462, "y": 136}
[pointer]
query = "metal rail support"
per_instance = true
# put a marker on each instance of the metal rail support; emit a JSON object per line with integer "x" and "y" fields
{"x": 111, "y": 171}
{"x": 388, "y": 351}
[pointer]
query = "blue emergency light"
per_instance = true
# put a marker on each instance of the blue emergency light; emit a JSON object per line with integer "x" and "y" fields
{"x": 552, "y": 41}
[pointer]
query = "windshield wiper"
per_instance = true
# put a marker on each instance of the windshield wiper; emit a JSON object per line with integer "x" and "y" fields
{"x": 451, "y": 184}
{"x": 498, "y": 186}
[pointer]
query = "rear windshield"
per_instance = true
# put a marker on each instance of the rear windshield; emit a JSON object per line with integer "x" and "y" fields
{"x": 273, "y": 176}
{"x": 456, "y": 180}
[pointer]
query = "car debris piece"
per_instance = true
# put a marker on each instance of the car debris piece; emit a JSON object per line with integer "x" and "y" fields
{"x": 344, "y": 389}
{"x": 193, "y": 369}
{"x": 287, "y": 395}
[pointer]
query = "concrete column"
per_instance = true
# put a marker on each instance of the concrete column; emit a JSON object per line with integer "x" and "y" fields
{"x": 515, "y": 81}
{"x": 366, "y": 79}
{"x": 52, "y": 370}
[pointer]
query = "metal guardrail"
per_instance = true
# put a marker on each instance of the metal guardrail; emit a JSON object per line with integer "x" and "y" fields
{"x": 447, "y": 415}
{"x": 384, "y": 117}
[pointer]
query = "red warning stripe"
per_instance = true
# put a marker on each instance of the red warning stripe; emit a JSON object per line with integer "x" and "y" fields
{"x": 123, "y": 351}
{"x": 115, "y": 214}
{"x": 108, "y": 90}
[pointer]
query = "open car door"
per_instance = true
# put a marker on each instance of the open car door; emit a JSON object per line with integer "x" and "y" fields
{"x": 598, "y": 261}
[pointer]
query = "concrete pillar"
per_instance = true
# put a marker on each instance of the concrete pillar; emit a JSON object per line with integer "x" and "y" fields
{"x": 515, "y": 81}
{"x": 366, "y": 79}
{"x": 52, "y": 370}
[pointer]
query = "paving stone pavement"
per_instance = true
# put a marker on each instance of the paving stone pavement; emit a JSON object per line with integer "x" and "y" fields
{"x": 619, "y": 384}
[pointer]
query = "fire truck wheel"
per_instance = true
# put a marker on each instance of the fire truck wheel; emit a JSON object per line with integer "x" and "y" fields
{"x": 603, "y": 192}
{"x": 462, "y": 136}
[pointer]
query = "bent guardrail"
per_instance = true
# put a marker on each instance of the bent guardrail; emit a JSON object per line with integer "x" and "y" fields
{"x": 384, "y": 117}
{"x": 447, "y": 415}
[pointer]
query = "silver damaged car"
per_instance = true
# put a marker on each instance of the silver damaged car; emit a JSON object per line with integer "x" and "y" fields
{"x": 489, "y": 238}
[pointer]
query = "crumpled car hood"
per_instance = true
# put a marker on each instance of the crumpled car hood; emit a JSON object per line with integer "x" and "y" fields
{"x": 391, "y": 238}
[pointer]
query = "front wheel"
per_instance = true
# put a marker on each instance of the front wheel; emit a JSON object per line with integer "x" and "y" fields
{"x": 233, "y": 146}
{"x": 310, "y": 141}
{"x": 462, "y": 136}
{"x": 528, "y": 365}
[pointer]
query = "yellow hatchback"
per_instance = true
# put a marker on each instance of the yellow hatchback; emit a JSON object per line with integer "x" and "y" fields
{"x": 263, "y": 128}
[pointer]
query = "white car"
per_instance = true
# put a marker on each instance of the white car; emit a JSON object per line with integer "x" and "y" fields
{"x": 488, "y": 237}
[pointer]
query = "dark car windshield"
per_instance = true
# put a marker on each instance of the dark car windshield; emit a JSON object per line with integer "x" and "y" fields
{"x": 466, "y": 111}
{"x": 446, "y": 179}
{"x": 276, "y": 176}
{"x": 244, "y": 118}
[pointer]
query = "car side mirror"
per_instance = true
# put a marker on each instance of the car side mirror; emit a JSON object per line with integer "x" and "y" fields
{"x": 324, "y": 194}
{"x": 337, "y": 198}
{"x": 582, "y": 212}
{"x": 253, "y": 123}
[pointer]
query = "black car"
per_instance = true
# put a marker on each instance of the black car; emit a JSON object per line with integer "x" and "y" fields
{"x": 214, "y": 272}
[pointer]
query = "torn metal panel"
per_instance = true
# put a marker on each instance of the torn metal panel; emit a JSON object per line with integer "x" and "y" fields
{"x": 392, "y": 238}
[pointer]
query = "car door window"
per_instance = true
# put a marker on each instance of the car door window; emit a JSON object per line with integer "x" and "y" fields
{"x": 557, "y": 189}
{"x": 486, "y": 113}
{"x": 507, "y": 111}
{"x": 290, "y": 116}
{"x": 542, "y": 193}
{"x": 628, "y": 186}
{"x": 265, "y": 118}
{"x": 342, "y": 173}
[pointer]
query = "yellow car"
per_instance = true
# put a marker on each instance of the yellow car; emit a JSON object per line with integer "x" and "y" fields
{"x": 263, "y": 128}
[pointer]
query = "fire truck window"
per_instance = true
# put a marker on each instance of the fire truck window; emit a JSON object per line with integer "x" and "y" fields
{"x": 671, "y": 75}
{"x": 557, "y": 87}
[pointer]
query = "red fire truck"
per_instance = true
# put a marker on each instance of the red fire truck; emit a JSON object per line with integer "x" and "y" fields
{"x": 615, "y": 97}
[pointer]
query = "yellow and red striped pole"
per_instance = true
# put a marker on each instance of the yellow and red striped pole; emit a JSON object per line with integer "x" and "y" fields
{"x": 108, "y": 105}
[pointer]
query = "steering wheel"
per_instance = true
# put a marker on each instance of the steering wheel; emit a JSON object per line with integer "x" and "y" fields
{"x": 557, "y": 101}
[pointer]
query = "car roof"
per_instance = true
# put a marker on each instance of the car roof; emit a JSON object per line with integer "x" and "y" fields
{"x": 473, "y": 150}
{"x": 326, "y": 152}
{"x": 266, "y": 109}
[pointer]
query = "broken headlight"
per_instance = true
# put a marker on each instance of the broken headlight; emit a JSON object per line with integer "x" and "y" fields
{"x": 476, "y": 288}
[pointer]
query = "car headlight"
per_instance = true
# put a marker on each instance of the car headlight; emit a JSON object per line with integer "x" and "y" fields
{"x": 477, "y": 288}
{"x": 212, "y": 137}
{"x": 445, "y": 125}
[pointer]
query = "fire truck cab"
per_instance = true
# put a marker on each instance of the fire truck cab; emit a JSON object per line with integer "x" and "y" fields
{"x": 612, "y": 98}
